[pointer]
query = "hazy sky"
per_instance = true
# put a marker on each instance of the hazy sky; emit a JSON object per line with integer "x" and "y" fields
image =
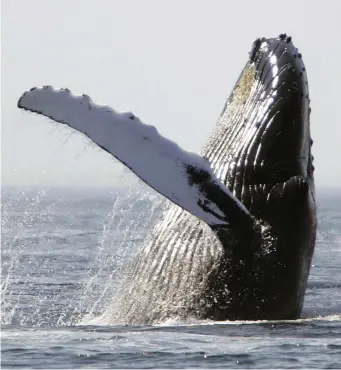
{"x": 173, "y": 63}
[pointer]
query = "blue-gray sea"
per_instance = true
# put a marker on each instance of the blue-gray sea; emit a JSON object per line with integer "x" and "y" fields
{"x": 65, "y": 253}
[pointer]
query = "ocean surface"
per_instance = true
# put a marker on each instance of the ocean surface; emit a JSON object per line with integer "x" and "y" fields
{"x": 65, "y": 253}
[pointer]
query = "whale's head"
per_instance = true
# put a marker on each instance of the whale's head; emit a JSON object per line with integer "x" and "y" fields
{"x": 264, "y": 128}
{"x": 261, "y": 150}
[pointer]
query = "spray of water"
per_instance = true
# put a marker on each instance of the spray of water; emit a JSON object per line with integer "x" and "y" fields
{"x": 63, "y": 264}
{"x": 126, "y": 226}
{"x": 20, "y": 212}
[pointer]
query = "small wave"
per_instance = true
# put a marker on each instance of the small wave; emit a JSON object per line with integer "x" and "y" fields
{"x": 324, "y": 285}
{"x": 194, "y": 321}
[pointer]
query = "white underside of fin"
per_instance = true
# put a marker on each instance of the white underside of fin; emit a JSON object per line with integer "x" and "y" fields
{"x": 159, "y": 162}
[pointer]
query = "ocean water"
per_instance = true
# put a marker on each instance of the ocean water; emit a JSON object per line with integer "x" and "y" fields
{"x": 65, "y": 253}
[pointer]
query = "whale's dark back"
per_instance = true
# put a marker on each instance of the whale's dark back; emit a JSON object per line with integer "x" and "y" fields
{"x": 261, "y": 150}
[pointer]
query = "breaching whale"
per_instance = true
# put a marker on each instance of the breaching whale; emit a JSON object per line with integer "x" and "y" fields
{"x": 237, "y": 239}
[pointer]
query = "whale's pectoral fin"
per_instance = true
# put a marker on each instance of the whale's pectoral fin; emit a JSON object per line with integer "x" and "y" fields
{"x": 184, "y": 178}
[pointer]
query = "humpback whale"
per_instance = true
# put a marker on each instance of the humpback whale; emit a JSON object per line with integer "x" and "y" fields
{"x": 238, "y": 235}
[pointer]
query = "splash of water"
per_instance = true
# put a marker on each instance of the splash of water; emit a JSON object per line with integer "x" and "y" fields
{"x": 20, "y": 212}
{"x": 45, "y": 236}
{"x": 127, "y": 225}
{"x": 41, "y": 284}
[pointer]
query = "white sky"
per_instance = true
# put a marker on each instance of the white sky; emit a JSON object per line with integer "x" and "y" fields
{"x": 173, "y": 63}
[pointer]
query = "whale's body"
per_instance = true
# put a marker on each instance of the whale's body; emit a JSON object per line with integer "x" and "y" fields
{"x": 241, "y": 242}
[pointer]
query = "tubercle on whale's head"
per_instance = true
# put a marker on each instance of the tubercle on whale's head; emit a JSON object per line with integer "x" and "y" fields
{"x": 268, "y": 118}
